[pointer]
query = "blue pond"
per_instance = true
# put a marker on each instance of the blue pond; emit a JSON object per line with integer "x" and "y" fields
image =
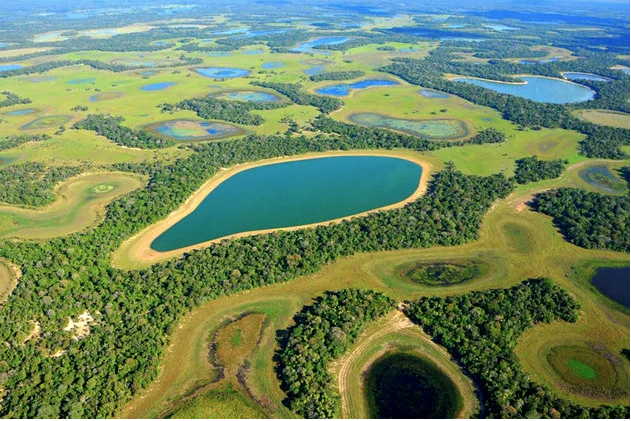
{"x": 7, "y": 67}
{"x": 253, "y": 52}
{"x": 292, "y": 194}
{"x": 148, "y": 73}
{"x": 344, "y": 89}
{"x": 499, "y": 27}
{"x": 585, "y": 76}
{"x": 160, "y": 43}
{"x": 315, "y": 70}
{"x": 428, "y": 93}
{"x": 222, "y": 72}
{"x": 24, "y": 111}
{"x": 540, "y": 89}
{"x": 81, "y": 81}
{"x": 40, "y": 79}
{"x": 273, "y": 65}
{"x": 614, "y": 283}
{"x": 157, "y": 86}
{"x": 307, "y": 47}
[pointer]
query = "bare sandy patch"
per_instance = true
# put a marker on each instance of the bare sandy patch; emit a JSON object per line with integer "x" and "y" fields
{"x": 81, "y": 327}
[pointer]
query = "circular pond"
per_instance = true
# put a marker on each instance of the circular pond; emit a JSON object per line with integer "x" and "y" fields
{"x": 535, "y": 88}
{"x": 429, "y": 93}
{"x": 157, "y": 86}
{"x": 601, "y": 177}
{"x": 253, "y": 96}
{"x": 192, "y": 130}
{"x": 46, "y": 122}
{"x": 273, "y": 65}
{"x": 106, "y": 96}
{"x": 402, "y": 385}
{"x": 442, "y": 274}
{"x": 24, "y": 111}
{"x": 588, "y": 371}
{"x": 222, "y": 72}
{"x": 292, "y": 194}
{"x": 438, "y": 129}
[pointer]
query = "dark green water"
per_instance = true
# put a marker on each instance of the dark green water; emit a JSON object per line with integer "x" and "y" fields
{"x": 294, "y": 193}
{"x": 402, "y": 385}
{"x": 614, "y": 283}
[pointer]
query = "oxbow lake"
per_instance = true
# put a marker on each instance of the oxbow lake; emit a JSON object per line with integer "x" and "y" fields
{"x": 294, "y": 193}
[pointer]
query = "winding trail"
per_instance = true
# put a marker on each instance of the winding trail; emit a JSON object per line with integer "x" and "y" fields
{"x": 398, "y": 321}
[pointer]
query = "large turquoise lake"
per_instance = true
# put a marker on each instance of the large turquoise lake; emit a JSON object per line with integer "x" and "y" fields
{"x": 294, "y": 193}
{"x": 540, "y": 89}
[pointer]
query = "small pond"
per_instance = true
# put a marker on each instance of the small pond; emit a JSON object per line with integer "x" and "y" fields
{"x": 192, "y": 130}
{"x": 429, "y": 93}
{"x": 405, "y": 386}
{"x": 23, "y": 111}
{"x": 106, "y": 96}
{"x": 157, "y": 86}
{"x": 436, "y": 129}
{"x": 344, "y": 89}
{"x": 600, "y": 177}
{"x": 614, "y": 283}
{"x": 222, "y": 72}
{"x": 273, "y": 65}
{"x": 540, "y": 89}
{"x": 7, "y": 67}
{"x": 81, "y": 81}
{"x": 294, "y": 193}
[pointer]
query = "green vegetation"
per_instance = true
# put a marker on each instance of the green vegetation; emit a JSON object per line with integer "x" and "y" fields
{"x": 111, "y": 128}
{"x": 12, "y": 99}
{"x": 31, "y": 184}
{"x": 342, "y": 75}
{"x": 219, "y": 109}
{"x": 325, "y": 104}
{"x": 480, "y": 330}
{"x": 587, "y": 219}
{"x": 442, "y": 273}
{"x": 531, "y": 169}
{"x": 46, "y": 122}
{"x": 10, "y": 142}
{"x": 225, "y": 403}
{"x": 321, "y": 334}
{"x": 79, "y": 203}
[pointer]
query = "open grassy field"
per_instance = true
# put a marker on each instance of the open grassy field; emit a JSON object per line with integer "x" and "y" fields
{"x": 80, "y": 203}
{"x": 605, "y": 117}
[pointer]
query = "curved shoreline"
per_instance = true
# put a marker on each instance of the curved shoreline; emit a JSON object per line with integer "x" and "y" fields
{"x": 137, "y": 252}
{"x": 451, "y": 79}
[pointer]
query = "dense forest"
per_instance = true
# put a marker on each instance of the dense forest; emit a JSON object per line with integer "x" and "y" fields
{"x": 481, "y": 329}
{"x": 530, "y": 169}
{"x": 31, "y": 183}
{"x": 321, "y": 333}
{"x": 587, "y": 219}
{"x": 341, "y": 75}
{"x": 111, "y": 128}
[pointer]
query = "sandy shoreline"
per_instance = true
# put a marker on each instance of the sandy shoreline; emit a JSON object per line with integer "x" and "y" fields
{"x": 566, "y": 80}
{"x": 137, "y": 251}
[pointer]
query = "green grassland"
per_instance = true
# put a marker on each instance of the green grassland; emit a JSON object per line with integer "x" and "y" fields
{"x": 80, "y": 202}
{"x": 605, "y": 117}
